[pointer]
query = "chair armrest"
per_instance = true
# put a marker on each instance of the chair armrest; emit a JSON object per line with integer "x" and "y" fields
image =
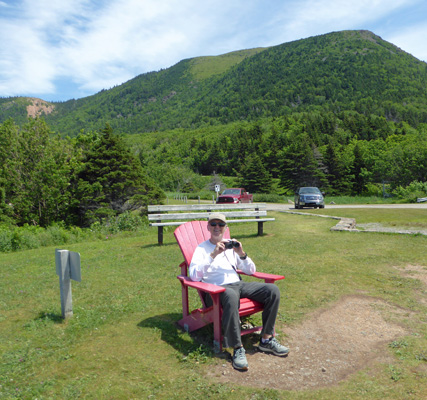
{"x": 184, "y": 268}
{"x": 269, "y": 278}
{"x": 203, "y": 286}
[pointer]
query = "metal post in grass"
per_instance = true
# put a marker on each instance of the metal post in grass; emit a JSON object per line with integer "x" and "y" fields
{"x": 67, "y": 268}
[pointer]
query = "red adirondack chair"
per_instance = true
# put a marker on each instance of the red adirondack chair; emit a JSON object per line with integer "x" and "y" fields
{"x": 189, "y": 236}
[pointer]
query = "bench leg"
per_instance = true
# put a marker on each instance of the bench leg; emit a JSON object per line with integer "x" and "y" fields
{"x": 260, "y": 228}
{"x": 160, "y": 234}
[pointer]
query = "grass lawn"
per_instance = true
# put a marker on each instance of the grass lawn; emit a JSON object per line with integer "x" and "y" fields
{"x": 122, "y": 341}
{"x": 407, "y": 218}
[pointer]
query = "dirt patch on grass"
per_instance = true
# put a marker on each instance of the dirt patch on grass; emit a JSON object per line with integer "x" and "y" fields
{"x": 325, "y": 349}
{"x": 416, "y": 272}
{"x": 420, "y": 273}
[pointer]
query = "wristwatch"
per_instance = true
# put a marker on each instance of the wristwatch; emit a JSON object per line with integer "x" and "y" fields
{"x": 244, "y": 257}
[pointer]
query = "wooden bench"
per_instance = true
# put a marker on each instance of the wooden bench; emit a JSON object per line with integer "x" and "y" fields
{"x": 170, "y": 215}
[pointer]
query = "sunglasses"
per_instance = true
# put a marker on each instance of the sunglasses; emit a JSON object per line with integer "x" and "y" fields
{"x": 221, "y": 224}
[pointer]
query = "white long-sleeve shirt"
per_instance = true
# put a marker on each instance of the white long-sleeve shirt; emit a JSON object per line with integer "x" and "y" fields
{"x": 218, "y": 270}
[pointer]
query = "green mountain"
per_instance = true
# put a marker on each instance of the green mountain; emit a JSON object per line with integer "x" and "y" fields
{"x": 348, "y": 70}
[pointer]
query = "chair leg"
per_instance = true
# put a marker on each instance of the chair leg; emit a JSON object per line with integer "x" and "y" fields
{"x": 217, "y": 314}
{"x": 185, "y": 305}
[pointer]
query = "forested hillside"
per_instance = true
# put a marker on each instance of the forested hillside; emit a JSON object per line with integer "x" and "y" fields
{"x": 343, "y": 153}
{"x": 349, "y": 70}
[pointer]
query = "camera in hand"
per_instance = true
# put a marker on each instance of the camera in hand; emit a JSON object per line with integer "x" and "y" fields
{"x": 232, "y": 243}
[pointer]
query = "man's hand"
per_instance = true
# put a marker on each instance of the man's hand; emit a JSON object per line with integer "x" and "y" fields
{"x": 239, "y": 250}
{"x": 219, "y": 248}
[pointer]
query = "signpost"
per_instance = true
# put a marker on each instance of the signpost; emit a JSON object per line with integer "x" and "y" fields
{"x": 67, "y": 268}
{"x": 217, "y": 189}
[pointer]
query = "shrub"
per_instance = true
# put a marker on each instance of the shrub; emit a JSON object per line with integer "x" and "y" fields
{"x": 373, "y": 189}
{"x": 13, "y": 238}
{"x": 6, "y": 235}
{"x": 126, "y": 221}
{"x": 24, "y": 240}
{"x": 58, "y": 234}
{"x": 129, "y": 221}
{"x": 411, "y": 192}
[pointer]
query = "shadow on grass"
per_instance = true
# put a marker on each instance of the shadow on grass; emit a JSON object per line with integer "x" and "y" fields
{"x": 201, "y": 341}
{"x": 158, "y": 246}
{"x": 172, "y": 334}
{"x": 46, "y": 316}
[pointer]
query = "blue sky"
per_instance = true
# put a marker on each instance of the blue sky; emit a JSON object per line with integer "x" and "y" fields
{"x": 62, "y": 49}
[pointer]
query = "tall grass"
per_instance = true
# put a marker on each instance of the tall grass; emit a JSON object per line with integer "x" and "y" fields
{"x": 13, "y": 238}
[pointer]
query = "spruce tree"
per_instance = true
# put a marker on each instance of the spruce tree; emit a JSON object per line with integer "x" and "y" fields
{"x": 254, "y": 177}
{"x": 300, "y": 164}
{"x": 338, "y": 181}
{"x": 359, "y": 171}
{"x": 112, "y": 181}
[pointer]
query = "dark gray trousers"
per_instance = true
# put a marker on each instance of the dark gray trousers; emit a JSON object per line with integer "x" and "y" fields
{"x": 265, "y": 293}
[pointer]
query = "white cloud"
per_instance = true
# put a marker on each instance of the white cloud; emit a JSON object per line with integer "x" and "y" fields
{"x": 129, "y": 37}
{"x": 28, "y": 59}
{"x": 31, "y": 66}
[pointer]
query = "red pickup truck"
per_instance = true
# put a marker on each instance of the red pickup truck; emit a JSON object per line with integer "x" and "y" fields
{"x": 235, "y": 195}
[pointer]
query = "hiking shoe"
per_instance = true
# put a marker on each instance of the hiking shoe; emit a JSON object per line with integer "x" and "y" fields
{"x": 273, "y": 346}
{"x": 239, "y": 359}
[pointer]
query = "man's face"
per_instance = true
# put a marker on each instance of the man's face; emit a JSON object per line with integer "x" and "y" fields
{"x": 216, "y": 228}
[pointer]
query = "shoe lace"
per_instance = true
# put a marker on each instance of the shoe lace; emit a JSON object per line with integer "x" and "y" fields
{"x": 274, "y": 342}
{"x": 239, "y": 353}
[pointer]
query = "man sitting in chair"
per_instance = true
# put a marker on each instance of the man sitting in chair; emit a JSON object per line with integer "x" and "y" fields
{"x": 215, "y": 262}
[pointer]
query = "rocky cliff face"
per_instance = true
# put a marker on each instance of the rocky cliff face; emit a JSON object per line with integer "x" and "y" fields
{"x": 39, "y": 107}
